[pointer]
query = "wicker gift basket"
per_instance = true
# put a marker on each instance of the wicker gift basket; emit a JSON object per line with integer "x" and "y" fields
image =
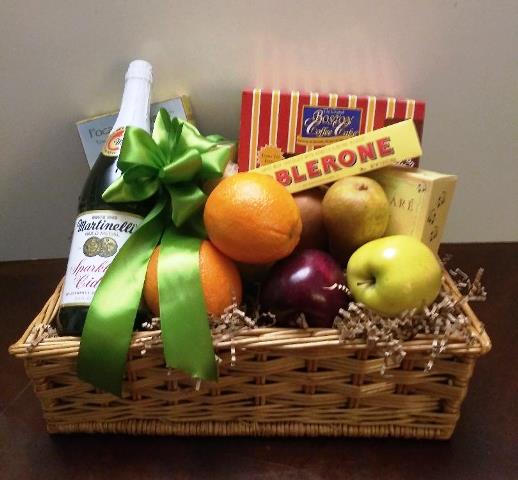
{"x": 273, "y": 382}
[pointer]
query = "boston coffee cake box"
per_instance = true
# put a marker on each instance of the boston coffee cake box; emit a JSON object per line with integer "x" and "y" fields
{"x": 277, "y": 125}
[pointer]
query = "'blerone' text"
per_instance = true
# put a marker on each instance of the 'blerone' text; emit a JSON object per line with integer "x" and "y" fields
{"x": 352, "y": 156}
{"x": 327, "y": 164}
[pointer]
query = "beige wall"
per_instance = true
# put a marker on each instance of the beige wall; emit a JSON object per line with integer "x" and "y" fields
{"x": 62, "y": 61}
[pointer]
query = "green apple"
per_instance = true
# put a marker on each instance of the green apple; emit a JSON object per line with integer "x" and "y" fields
{"x": 393, "y": 274}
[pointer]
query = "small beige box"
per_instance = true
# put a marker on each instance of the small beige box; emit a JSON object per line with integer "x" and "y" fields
{"x": 419, "y": 202}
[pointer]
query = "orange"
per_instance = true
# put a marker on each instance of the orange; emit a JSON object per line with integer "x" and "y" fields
{"x": 220, "y": 280}
{"x": 252, "y": 218}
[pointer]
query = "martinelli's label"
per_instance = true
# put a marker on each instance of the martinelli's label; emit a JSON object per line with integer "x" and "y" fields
{"x": 98, "y": 236}
{"x": 113, "y": 143}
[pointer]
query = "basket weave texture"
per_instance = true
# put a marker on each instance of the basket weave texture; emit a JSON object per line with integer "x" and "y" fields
{"x": 283, "y": 382}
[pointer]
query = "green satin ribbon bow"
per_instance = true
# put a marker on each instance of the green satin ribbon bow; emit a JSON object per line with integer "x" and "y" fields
{"x": 169, "y": 165}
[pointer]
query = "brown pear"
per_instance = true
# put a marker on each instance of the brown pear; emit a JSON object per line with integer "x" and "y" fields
{"x": 355, "y": 211}
{"x": 313, "y": 233}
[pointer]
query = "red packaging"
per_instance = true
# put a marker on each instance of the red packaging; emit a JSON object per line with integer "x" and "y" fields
{"x": 277, "y": 125}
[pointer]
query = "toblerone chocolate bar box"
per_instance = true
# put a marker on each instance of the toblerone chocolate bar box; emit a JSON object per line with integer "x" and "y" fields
{"x": 93, "y": 131}
{"x": 353, "y": 156}
{"x": 277, "y": 125}
{"x": 419, "y": 202}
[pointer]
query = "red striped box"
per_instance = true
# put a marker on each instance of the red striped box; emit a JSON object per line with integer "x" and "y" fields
{"x": 277, "y": 125}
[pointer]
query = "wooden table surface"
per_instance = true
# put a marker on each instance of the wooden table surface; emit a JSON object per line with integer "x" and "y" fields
{"x": 484, "y": 446}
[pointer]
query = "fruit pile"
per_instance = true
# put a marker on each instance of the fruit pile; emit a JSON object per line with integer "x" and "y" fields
{"x": 306, "y": 256}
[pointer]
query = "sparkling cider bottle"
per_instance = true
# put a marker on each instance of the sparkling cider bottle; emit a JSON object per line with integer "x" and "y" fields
{"x": 102, "y": 228}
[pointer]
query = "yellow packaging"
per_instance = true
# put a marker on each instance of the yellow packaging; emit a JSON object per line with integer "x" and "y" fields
{"x": 353, "y": 156}
{"x": 419, "y": 202}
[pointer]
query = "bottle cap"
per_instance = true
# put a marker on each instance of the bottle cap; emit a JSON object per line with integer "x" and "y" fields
{"x": 140, "y": 69}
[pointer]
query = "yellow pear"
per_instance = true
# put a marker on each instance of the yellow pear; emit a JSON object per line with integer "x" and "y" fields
{"x": 355, "y": 211}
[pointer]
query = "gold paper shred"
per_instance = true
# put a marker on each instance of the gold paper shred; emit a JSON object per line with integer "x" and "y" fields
{"x": 444, "y": 320}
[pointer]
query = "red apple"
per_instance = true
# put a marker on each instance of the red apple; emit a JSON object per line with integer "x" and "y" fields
{"x": 297, "y": 284}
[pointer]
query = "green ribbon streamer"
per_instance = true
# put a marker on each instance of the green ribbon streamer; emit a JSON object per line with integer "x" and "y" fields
{"x": 184, "y": 343}
{"x": 170, "y": 165}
